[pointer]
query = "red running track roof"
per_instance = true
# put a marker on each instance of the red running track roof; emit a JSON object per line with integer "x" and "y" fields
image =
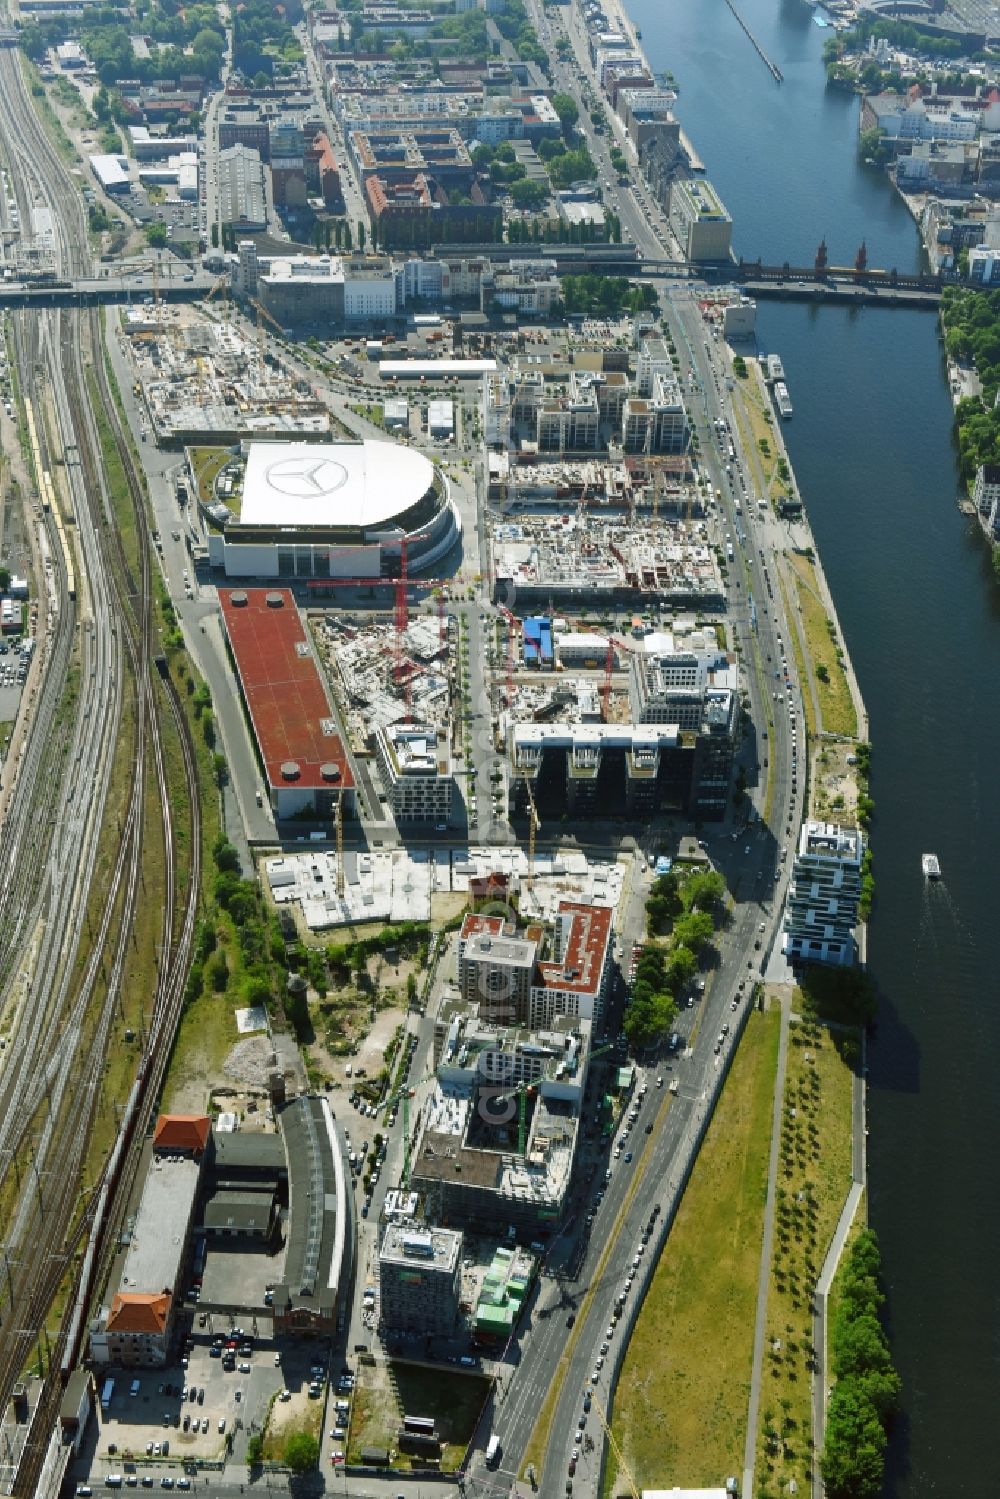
{"x": 288, "y": 705}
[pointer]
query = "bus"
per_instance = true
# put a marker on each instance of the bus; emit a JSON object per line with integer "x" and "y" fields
{"x": 493, "y": 1451}
{"x": 107, "y": 1395}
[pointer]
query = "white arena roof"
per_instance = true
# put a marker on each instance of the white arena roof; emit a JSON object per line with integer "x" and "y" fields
{"x": 363, "y": 484}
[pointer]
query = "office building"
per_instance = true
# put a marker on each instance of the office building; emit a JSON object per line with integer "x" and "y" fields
{"x": 699, "y": 219}
{"x": 420, "y": 1278}
{"x": 415, "y": 765}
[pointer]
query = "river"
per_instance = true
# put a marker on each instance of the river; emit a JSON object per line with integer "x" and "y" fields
{"x": 871, "y": 445}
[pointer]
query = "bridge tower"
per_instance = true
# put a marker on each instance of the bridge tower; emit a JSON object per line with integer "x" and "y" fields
{"x": 820, "y": 262}
{"x": 861, "y": 259}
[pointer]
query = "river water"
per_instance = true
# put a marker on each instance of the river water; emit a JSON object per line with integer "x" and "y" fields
{"x": 871, "y": 444}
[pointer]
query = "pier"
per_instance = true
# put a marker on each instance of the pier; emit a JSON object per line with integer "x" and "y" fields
{"x": 772, "y": 67}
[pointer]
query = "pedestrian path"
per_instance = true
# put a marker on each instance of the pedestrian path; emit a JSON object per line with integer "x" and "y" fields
{"x": 764, "y": 1277}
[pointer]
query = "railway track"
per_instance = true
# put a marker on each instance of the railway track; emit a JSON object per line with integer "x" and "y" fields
{"x": 49, "y": 1097}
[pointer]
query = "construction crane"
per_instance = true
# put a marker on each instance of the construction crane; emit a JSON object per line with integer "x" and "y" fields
{"x": 340, "y": 846}
{"x": 534, "y": 823}
{"x": 619, "y": 1455}
{"x": 216, "y": 287}
{"x": 402, "y": 1098}
{"x": 609, "y": 663}
{"x": 511, "y": 632}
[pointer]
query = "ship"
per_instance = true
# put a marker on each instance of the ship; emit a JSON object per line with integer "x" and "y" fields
{"x": 775, "y": 368}
{"x": 931, "y": 866}
{"x": 782, "y": 400}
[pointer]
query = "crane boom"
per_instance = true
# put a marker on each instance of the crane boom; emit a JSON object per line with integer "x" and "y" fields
{"x": 534, "y": 823}
{"x": 619, "y": 1455}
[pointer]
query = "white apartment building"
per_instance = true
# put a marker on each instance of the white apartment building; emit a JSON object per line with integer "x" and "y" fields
{"x": 416, "y": 771}
{"x": 658, "y": 424}
{"x": 821, "y": 910}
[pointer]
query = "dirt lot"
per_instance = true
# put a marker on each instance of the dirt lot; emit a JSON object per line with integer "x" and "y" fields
{"x": 834, "y": 784}
{"x": 387, "y": 1391}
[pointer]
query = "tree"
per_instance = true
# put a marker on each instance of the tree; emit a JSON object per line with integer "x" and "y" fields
{"x": 156, "y": 235}
{"x": 567, "y": 109}
{"x": 218, "y": 972}
{"x": 301, "y": 1452}
{"x": 255, "y": 1450}
{"x": 704, "y": 892}
{"x": 648, "y": 1019}
{"x": 681, "y": 968}
{"x": 361, "y": 236}
{"x": 528, "y": 194}
{"x": 694, "y": 931}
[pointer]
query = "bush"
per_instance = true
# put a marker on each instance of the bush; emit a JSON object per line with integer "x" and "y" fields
{"x": 301, "y": 1452}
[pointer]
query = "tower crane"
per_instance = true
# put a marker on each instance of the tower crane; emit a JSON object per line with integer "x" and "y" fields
{"x": 619, "y": 1455}
{"x": 534, "y": 823}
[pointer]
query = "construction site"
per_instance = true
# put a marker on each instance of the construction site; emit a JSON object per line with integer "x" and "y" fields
{"x": 381, "y": 674}
{"x": 205, "y": 380}
{"x": 398, "y": 885}
{"x": 627, "y": 484}
{"x": 587, "y": 558}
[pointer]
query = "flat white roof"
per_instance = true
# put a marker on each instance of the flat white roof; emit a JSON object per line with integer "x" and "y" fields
{"x": 364, "y": 484}
{"x": 436, "y": 369}
{"x": 109, "y": 170}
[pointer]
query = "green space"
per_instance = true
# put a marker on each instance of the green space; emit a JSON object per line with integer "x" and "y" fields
{"x": 814, "y": 1178}
{"x": 465, "y": 36}
{"x": 385, "y": 1393}
{"x": 680, "y": 1409}
{"x": 606, "y": 296}
{"x": 295, "y": 1441}
{"x": 686, "y": 904}
{"x": 185, "y": 41}
{"x": 826, "y": 658}
{"x": 971, "y": 322}
{"x": 865, "y": 1397}
{"x": 842, "y": 997}
{"x": 206, "y": 465}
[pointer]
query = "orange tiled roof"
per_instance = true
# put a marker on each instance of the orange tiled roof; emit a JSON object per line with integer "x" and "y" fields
{"x": 138, "y": 1312}
{"x": 182, "y": 1132}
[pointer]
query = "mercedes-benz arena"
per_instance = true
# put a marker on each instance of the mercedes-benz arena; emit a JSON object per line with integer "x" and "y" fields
{"x": 336, "y": 510}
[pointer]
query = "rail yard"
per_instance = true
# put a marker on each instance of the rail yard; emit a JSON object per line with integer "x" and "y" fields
{"x": 406, "y": 813}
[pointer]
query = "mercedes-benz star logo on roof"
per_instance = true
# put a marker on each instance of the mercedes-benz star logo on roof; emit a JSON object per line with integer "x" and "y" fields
{"x": 306, "y": 477}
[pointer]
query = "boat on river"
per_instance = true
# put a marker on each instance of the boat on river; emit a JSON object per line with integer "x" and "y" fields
{"x": 931, "y": 866}
{"x": 782, "y": 400}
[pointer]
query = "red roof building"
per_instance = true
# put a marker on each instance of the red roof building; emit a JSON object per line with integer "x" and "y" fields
{"x": 182, "y": 1134}
{"x": 138, "y": 1314}
{"x": 576, "y": 982}
{"x": 305, "y": 760}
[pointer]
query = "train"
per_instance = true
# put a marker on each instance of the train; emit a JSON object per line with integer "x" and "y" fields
{"x": 47, "y": 495}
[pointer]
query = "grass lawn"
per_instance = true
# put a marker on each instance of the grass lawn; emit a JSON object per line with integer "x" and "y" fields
{"x": 680, "y": 1409}
{"x": 835, "y": 703}
{"x": 387, "y": 1392}
{"x": 208, "y": 463}
{"x": 813, "y": 1182}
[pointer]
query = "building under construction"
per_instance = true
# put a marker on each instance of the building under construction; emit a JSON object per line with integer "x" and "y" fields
{"x": 211, "y": 382}
{"x": 587, "y": 558}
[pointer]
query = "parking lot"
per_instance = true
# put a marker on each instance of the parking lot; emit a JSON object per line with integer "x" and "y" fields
{"x": 179, "y": 1416}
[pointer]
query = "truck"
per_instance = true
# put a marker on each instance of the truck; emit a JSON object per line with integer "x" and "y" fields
{"x": 107, "y": 1394}
{"x": 493, "y": 1451}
